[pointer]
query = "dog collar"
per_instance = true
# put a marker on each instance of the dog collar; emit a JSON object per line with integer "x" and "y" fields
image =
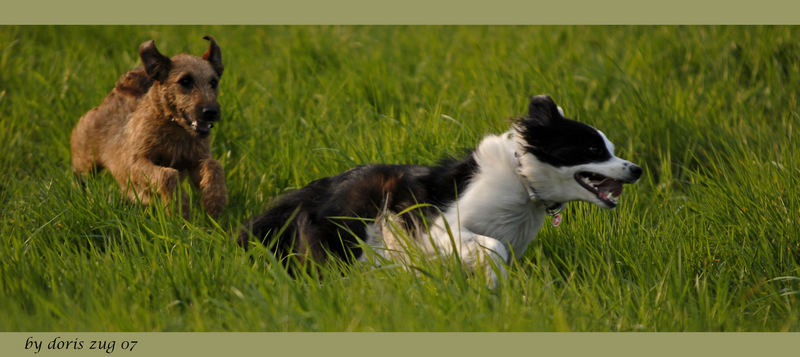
{"x": 553, "y": 209}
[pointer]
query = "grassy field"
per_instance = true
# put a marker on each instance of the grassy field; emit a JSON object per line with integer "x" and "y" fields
{"x": 707, "y": 241}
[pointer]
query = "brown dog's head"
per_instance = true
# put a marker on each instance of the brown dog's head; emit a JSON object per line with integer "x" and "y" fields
{"x": 186, "y": 85}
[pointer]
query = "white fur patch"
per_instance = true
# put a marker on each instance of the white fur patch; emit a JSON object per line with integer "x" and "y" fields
{"x": 609, "y": 145}
{"x": 494, "y": 219}
{"x": 490, "y": 222}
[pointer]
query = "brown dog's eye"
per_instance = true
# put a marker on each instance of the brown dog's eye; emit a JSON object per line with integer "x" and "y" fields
{"x": 213, "y": 84}
{"x": 185, "y": 81}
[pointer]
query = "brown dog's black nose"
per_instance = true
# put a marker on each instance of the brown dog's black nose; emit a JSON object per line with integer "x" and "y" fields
{"x": 211, "y": 113}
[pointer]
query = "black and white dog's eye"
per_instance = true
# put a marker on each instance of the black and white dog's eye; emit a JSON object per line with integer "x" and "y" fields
{"x": 213, "y": 84}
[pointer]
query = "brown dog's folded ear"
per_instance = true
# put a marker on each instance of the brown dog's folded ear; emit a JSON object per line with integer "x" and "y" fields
{"x": 156, "y": 65}
{"x": 214, "y": 55}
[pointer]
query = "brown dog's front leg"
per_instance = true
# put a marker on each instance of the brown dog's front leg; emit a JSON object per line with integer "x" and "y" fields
{"x": 209, "y": 177}
{"x": 147, "y": 176}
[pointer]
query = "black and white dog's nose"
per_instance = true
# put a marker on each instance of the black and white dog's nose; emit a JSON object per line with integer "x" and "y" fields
{"x": 636, "y": 171}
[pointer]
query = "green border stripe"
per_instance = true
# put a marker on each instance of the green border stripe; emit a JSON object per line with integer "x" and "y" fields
{"x": 401, "y": 12}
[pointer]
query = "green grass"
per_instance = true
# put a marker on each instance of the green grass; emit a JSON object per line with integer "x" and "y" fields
{"x": 707, "y": 241}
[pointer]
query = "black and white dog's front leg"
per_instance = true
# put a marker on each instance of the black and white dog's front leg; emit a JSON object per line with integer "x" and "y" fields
{"x": 387, "y": 239}
{"x": 476, "y": 252}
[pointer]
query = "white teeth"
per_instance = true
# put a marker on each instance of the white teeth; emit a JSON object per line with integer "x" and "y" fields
{"x": 609, "y": 196}
{"x": 588, "y": 182}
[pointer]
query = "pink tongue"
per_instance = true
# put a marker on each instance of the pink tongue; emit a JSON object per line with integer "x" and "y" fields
{"x": 610, "y": 185}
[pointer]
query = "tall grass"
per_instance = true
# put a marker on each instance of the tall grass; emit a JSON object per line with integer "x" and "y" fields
{"x": 707, "y": 241}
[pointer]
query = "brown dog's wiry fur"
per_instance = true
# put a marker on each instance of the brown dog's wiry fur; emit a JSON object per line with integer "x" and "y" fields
{"x": 152, "y": 130}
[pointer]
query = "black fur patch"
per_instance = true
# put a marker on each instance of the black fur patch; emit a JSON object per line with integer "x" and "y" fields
{"x": 360, "y": 192}
{"x": 559, "y": 141}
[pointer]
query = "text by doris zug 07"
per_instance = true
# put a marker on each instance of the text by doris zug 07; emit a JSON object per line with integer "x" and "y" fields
{"x": 60, "y": 343}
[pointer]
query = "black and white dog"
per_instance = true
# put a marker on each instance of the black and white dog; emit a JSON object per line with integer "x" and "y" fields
{"x": 485, "y": 206}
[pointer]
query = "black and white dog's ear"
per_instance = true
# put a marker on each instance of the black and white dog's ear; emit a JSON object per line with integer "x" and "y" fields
{"x": 542, "y": 111}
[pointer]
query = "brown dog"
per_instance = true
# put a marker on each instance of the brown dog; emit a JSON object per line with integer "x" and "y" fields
{"x": 153, "y": 129}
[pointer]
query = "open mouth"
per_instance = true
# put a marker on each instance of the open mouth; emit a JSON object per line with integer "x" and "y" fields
{"x": 202, "y": 128}
{"x": 605, "y": 188}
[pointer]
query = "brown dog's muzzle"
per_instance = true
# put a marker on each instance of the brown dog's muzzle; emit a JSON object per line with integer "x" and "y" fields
{"x": 208, "y": 116}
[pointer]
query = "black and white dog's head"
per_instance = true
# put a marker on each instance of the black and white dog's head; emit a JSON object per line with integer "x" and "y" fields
{"x": 563, "y": 160}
